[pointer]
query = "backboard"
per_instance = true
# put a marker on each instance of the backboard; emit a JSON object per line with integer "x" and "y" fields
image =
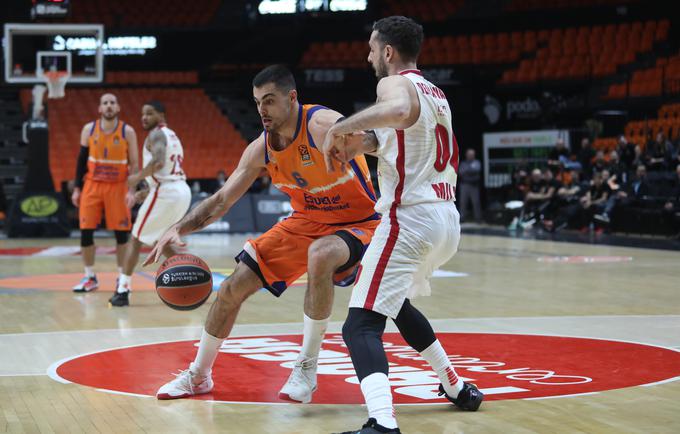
{"x": 31, "y": 49}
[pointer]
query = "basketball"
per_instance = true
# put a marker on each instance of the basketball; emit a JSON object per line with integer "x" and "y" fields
{"x": 184, "y": 282}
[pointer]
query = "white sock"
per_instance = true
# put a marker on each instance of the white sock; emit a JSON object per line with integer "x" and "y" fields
{"x": 313, "y": 333}
{"x": 208, "y": 349}
{"x": 437, "y": 358}
{"x": 89, "y": 271}
{"x": 378, "y": 397}
{"x": 124, "y": 283}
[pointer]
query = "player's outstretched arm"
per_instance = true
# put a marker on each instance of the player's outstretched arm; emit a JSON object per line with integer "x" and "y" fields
{"x": 157, "y": 146}
{"x": 397, "y": 106}
{"x": 214, "y": 207}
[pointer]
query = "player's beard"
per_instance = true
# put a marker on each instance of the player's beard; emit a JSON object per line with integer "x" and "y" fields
{"x": 380, "y": 69}
{"x": 109, "y": 116}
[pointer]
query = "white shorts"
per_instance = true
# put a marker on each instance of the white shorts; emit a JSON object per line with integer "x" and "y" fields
{"x": 404, "y": 252}
{"x": 165, "y": 205}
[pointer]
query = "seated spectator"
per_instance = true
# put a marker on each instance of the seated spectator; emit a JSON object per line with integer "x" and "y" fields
{"x": 617, "y": 168}
{"x": 639, "y": 187}
{"x": 626, "y": 151}
{"x": 568, "y": 204}
{"x": 3, "y": 202}
{"x": 658, "y": 153}
{"x": 595, "y": 199}
{"x": 638, "y": 157}
{"x": 599, "y": 163}
{"x": 672, "y": 205}
{"x": 538, "y": 198}
{"x": 585, "y": 156}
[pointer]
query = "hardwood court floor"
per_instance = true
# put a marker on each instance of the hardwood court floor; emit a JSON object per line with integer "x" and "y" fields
{"x": 512, "y": 309}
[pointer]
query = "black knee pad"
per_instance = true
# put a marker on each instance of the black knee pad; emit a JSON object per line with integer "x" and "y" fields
{"x": 86, "y": 237}
{"x": 362, "y": 322}
{"x": 121, "y": 236}
{"x": 414, "y": 327}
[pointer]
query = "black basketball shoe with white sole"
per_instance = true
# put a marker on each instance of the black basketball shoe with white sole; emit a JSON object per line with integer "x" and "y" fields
{"x": 469, "y": 399}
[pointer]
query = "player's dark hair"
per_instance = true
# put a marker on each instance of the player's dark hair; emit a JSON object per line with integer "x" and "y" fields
{"x": 402, "y": 33}
{"x": 157, "y": 105}
{"x": 278, "y": 74}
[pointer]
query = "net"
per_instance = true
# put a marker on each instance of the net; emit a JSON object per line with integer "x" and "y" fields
{"x": 56, "y": 83}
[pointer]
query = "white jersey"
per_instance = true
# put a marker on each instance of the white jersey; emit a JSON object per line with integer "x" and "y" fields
{"x": 418, "y": 165}
{"x": 174, "y": 156}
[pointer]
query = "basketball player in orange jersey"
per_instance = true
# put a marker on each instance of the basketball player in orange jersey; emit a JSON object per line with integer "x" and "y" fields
{"x": 108, "y": 154}
{"x": 420, "y": 228}
{"x": 332, "y": 223}
{"x": 165, "y": 201}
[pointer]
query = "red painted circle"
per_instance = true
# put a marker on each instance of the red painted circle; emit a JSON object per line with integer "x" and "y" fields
{"x": 504, "y": 366}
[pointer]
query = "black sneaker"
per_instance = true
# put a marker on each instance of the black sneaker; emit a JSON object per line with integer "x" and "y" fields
{"x": 470, "y": 398}
{"x": 372, "y": 427}
{"x": 120, "y": 299}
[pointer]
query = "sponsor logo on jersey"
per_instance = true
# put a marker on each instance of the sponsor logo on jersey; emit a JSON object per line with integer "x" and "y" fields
{"x": 305, "y": 157}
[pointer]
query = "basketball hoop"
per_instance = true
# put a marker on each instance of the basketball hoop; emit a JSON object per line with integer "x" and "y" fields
{"x": 56, "y": 83}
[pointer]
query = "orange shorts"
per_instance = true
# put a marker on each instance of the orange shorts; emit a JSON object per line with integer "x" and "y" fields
{"x": 281, "y": 252}
{"x": 107, "y": 198}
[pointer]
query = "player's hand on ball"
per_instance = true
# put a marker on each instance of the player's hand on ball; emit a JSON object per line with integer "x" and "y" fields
{"x": 169, "y": 238}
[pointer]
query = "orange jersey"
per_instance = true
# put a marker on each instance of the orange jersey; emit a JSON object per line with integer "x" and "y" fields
{"x": 108, "y": 158}
{"x": 300, "y": 172}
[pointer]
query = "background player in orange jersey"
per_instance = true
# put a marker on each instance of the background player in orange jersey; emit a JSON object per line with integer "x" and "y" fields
{"x": 108, "y": 154}
{"x": 331, "y": 226}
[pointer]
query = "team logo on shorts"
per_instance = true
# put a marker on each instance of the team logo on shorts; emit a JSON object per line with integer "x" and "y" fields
{"x": 305, "y": 157}
{"x": 357, "y": 231}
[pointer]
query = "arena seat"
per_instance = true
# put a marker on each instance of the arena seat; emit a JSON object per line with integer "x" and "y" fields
{"x": 662, "y": 78}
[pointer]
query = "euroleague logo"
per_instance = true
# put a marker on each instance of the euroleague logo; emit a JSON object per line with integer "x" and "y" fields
{"x": 252, "y": 369}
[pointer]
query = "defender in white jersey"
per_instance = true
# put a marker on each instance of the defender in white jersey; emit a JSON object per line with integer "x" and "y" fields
{"x": 411, "y": 130}
{"x": 166, "y": 199}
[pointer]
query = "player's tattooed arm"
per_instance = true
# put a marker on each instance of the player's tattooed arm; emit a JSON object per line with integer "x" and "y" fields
{"x": 249, "y": 169}
{"x": 157, "y": 145}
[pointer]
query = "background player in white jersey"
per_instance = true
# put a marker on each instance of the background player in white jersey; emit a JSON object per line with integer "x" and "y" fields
{"x": 166, "y": 199}
{"x": 417, "y": 160}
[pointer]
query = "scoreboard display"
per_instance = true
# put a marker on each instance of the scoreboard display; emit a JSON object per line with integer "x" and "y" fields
{"x": 50, "y": 8}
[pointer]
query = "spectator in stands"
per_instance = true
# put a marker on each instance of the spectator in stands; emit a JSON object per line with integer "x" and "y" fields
{"x": 658, "y": 153}
{"x": 672, "y": 206}
{"x": 568, "y": 197}
{"x": 599, "y": 163}
{"x": 559, "y": 154}
{"x": 585, "y": 156}
{"x": 537, "y": 199}
{"x": 639, "y": 187}
{"x": 617, "y": 168}
{"x": 3, "y": 201}
{"x": 261, "y": 184}
{"x": 638, "y": 157}
{"x": 469, "y": 176}
{"x": 626, "y": 151}
{"x": 595, "y": 199}
{"x": 613, "y": 198}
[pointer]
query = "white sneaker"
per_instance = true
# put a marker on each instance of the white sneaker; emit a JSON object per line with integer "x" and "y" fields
{"x": 301, "y": 383}
{"x": 186, "y": 384}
